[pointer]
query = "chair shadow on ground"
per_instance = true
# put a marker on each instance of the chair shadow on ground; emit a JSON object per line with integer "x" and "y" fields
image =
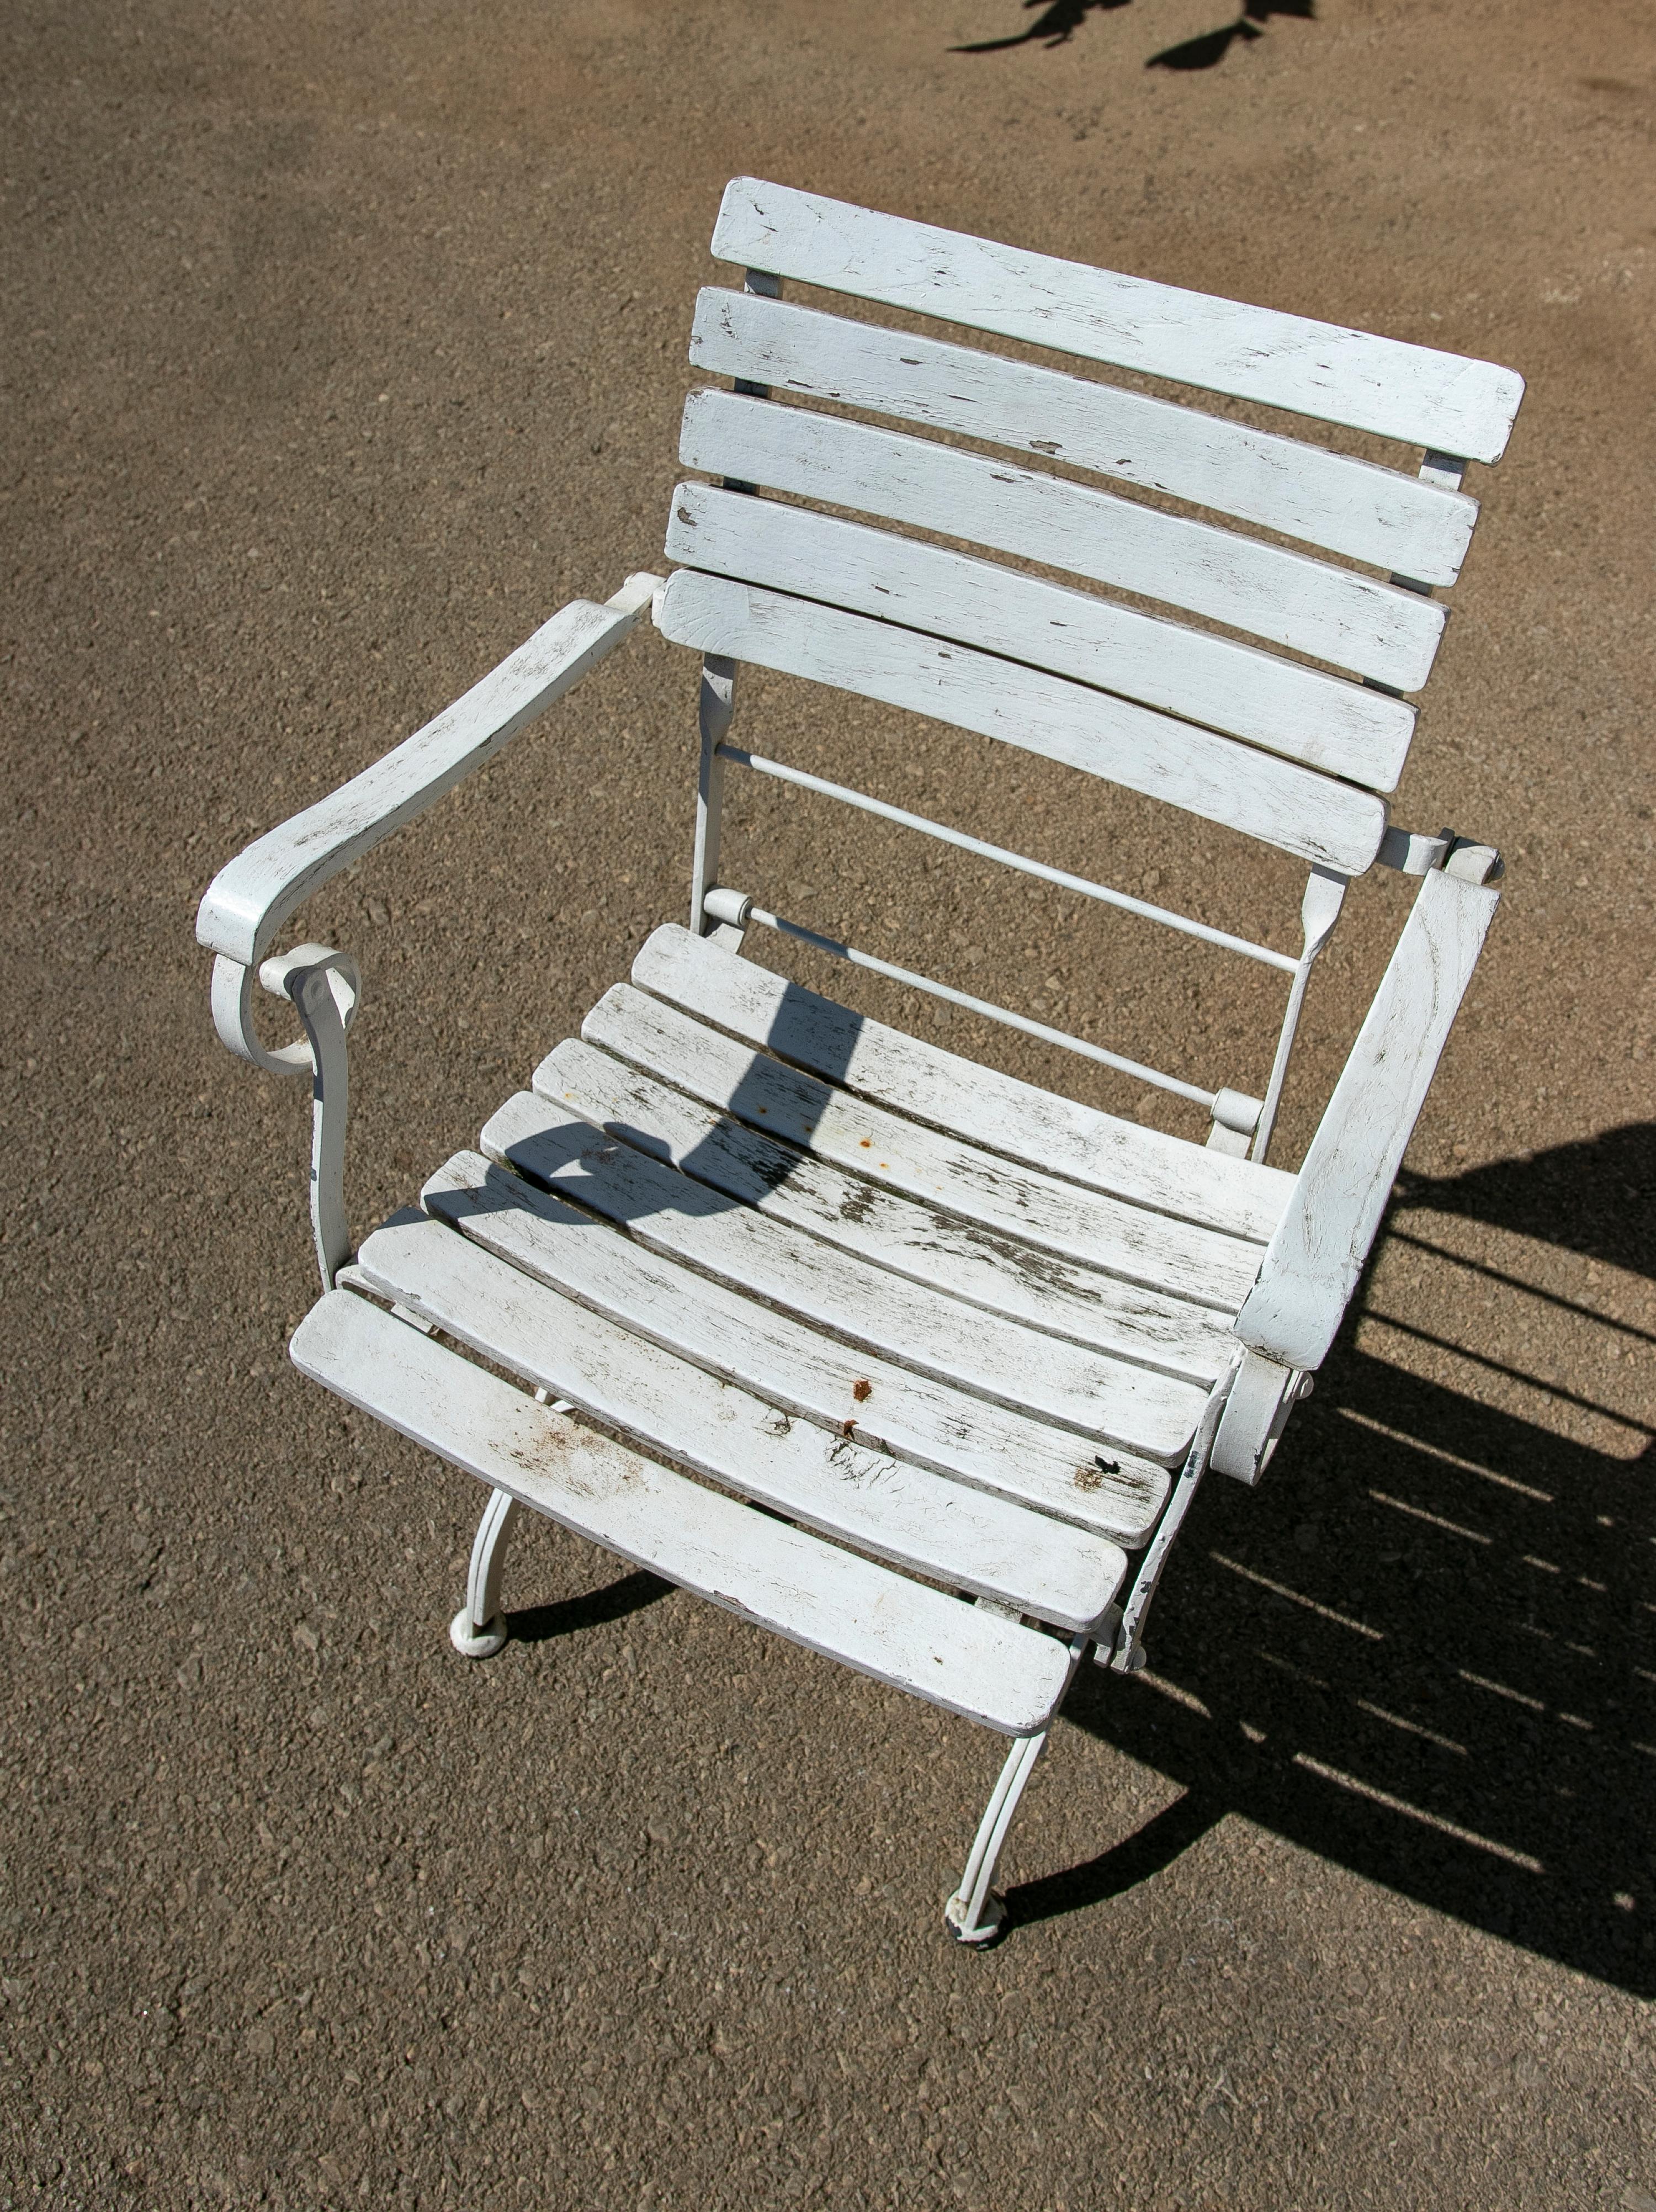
{"x": 1058, "y": 21}
{"x": 541, "y": 1624}
{"x": 1422, "y": 1649}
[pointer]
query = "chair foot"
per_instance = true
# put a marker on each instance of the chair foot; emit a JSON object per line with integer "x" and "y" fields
{"x": 472, "y": 1642}
{"x": 478, "y": 1630}
{"x": 976, "y": 1913}
{"x": 992, "y": 1919}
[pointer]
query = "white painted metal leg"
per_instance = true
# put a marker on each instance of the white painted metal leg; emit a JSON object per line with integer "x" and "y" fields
{"x": 314, "y": 994}
{"x": 478, "y": 1630}
{"x": 975, "y": 1914}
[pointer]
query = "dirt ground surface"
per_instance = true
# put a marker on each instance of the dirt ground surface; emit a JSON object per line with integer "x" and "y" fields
{"x": 343, "y": 345}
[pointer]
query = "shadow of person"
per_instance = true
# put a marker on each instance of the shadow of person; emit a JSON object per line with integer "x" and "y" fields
{"x": 1422, "y": 1649}
{"x": 1209, "y": 49}
{"x": 1055, "y": 26}
{"x": 1059, "y": 20}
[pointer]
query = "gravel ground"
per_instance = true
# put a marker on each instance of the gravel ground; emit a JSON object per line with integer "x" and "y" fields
{"x": 343, "y": 344}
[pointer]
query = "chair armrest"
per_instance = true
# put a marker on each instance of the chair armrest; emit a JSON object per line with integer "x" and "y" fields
{"x": 247, "y": 902}
{"x": 1312, "y": 1263}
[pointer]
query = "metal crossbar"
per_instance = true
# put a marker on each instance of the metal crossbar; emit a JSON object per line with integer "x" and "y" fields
{"x": 1222, "y": 939}
{"x": 1319, "y": 909}
{"x": 860, "y": 960}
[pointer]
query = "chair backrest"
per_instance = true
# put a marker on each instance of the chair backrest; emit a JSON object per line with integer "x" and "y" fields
{"x": 1287, "y": 723}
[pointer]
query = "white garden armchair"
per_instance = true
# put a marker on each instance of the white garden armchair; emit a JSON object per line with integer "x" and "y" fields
{"x": 971, "y": 1345}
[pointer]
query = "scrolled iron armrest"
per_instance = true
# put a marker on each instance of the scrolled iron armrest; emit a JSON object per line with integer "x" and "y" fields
{"x": 248, "y": 901}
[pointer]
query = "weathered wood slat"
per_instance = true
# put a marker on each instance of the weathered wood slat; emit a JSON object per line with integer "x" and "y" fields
{"x": 895, "y": 1154}
{"x": 1004, "y": 1275}
{"x": 1286, "y": 598}
{"x": 1100, "y": 1397}
{"x": 807, "y": 1375}
{"x": 1312, "y": 1264}
{"x": 1000, "y": 1272}
{"x": 1413, "y": 393}
{"x": 1400, "y": 523}
{"x": 1330, "y": 823}
{"x": 962, "y": 1097}
{"x": 1324, "y": 720}
{"x": 964, "y": 1658}
{"x": 962, "y": 1536}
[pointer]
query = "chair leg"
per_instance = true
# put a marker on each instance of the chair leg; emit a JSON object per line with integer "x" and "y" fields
{"x": 478, "y": 1630}
{"x": 975, "y": 1914}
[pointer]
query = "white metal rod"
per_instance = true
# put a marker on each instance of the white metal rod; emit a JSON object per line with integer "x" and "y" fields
{"x": 1114, "y": 1060}
{"x": 1320, "y": 909}
{"x": 1128, "y": 1656}
{"x": 1060, "y": 876}
{"x": 716, "y": 705}
{"x": 1279, "y": 1065}
{"x": 973, "y": 1911}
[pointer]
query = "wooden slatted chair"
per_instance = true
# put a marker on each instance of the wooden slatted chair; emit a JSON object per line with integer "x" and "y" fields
{"x": 961, "y": 1338}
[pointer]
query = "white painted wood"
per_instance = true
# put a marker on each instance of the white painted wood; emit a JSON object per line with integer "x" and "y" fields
{"x": 960, "y": 1656}
{"x": 1101, "y": 1397}
{"x": 961, "y": 1096}
{"x": 1312, "y": 1262}
{"x": 1413, "y": 393}
{"x": 897, "y": 1155}
{"x": 1277, "y": 800}
{"x": 810, "y": 1376}
{"x": 247, "y": 902}
{"x": 1399, "y": 523}
{"x": 1050, "y": 1291}
{"x": 1303, "y": 713}
{"x": 959, "y": 1535}
{"x": 1286, "y": 598}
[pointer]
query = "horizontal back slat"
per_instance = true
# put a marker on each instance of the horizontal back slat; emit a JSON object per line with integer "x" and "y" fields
{"x": 1397, "y": 522}
{"x": 1322, "y": 821}
{"x": 1291, "y": 709}
{"x": 1414, "y": 394}
{"x": 1285, "y": 598}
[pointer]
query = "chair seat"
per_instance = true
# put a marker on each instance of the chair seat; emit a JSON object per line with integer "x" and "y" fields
{"x": 814, "y": 1262}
